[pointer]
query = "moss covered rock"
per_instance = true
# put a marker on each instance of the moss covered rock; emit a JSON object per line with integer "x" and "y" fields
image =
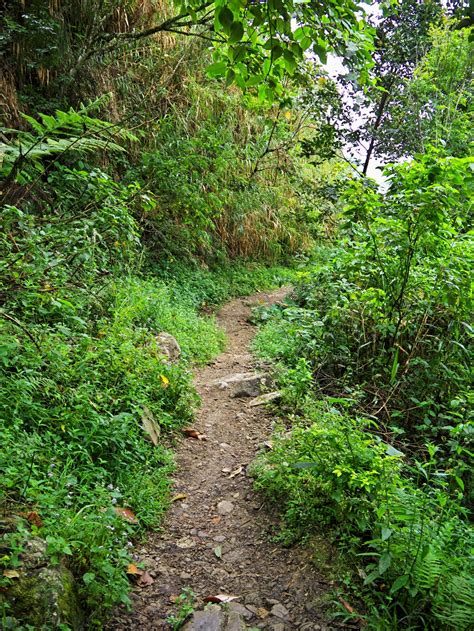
{"x": 43, "y": 595}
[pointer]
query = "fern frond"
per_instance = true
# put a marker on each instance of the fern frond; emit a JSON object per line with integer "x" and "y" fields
{"x": 54, "y": 135}
{"x": 453, "y": 605}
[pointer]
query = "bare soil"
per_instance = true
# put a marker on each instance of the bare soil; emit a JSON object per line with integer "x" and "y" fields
{"x": 212, "y": 553}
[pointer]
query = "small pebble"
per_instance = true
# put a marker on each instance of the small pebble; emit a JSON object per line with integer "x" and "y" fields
{"x": 225, "y": 507}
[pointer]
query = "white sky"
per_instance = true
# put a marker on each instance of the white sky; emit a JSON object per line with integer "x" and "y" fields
{"x": 335, "y": 67}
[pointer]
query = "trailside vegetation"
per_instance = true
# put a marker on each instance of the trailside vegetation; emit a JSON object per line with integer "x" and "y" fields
{"x": 375, "y": 362}
{"x": 135, "y": 198}
{"x": 157, "y": 158}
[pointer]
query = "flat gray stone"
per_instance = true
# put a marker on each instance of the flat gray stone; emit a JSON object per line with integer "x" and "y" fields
{"x": 168, "y": 346}
{"x": 225, "y": 507}
{"x": 265, "y": 398}
{"x": 240, "y": 610}
{"x": 280, "y": 611}
{"x": 242, "y": 384}
{"x": 212, "y": 618}
{"x": 216, "y": 618}
{"x": 235, "y": 622}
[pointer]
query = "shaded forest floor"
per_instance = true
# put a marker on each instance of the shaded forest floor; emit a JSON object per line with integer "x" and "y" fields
{"x": 216, "y": 538}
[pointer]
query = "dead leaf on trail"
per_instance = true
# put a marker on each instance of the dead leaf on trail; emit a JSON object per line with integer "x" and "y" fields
{"x": 226, "y": 470}
{"x": 33, "y": 518}
{"x": 218, "y": 552}
{"x": 221, "y": 598}
{"x": 236, "y": 472}
{"x": 133, "y": 569}
{"x": 262, "y": 613}
{"x": 179, "y": 496}
{"x": 11, "y": 574}
{"x": 127, "y": 514}
{"x": 193, "y": 433}
{"x": 346, "y": 605}
{"x": 150, "y": 426}
{"x": 145, "y": 580}
{"x": 141, "y": 577}
{"x": 217, "y": 519}
{"x": 173, "y": 598}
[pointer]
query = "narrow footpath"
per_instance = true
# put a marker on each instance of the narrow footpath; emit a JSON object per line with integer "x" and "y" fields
{"x": 217, "y": 538}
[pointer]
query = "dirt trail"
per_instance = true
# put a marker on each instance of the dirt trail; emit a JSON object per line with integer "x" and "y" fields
{"x": 279, "y": 586}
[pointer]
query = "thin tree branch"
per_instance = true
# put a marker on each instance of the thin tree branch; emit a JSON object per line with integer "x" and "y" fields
{"x": 21, "y": 326}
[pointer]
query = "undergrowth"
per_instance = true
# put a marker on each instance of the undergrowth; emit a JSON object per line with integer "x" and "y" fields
{"x": 82, "y": 375}
{"x": 373, "y": 360}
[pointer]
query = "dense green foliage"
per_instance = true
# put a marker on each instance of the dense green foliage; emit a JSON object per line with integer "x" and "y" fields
{"x": 107, "y": 238}
{"x": 374, "y": 359}
{"x": 379, "y": 332}
{"x": 254, "y": 44}
{"x": 138, "y": 193}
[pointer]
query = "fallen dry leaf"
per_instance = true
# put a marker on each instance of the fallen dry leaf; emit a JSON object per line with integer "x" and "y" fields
{"x": 11, "y": 574}
{"x": 179, "y": 496}
{"x": 236, "y": 472}
{"x": 127, "y": 514}
{"x": 33, "y": 518}
{"x": 141, "y": 577}
{"x": 145, "y": 580}
{"x": 262, "y": 613}
{"x": 221, "y": 598}
{"x": 193, "y": 433}
{"x": 226, "y": 470}
{"x": 346, "y": 605}
{"x": 133, "y": 569}
{"x": 173, "y": 598}
{"x": 150, "y": 426}
{"x": 217, "y": 519}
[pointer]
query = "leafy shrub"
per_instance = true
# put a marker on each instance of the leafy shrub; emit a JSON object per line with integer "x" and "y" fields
{"x": 207, "y": 198}
{"x": 72, "y": 430}
{"x": 79, "y": 364}
{"x": 207, "y": 287}
{"x": 383, "y": 318}
{"x": 327, "y": 473}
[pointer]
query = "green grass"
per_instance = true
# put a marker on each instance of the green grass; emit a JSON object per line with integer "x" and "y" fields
{"x": 204, "y": 287}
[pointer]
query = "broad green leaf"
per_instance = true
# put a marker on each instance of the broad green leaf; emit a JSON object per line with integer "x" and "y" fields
{"x": 384, "y": 562}
{"x": 391, "y": 451}
{"x": 225, "y": 17}
{"x": 217, "y": 69}
{"x": 290, "y": 62}
{"x": 386, "y": 533}
{"x": 236, "y": 32}
{"x": 400, "y": 582}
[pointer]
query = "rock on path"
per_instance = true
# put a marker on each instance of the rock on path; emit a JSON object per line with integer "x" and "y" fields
{"x": 218, "y": 539}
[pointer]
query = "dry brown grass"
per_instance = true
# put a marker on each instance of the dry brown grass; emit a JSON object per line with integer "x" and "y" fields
{"x": 9, "y": 106}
